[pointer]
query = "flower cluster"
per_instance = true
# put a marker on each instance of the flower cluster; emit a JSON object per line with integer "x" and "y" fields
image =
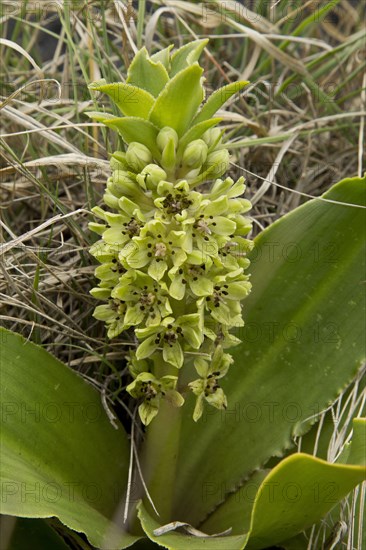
{"x": 173, "y": 252}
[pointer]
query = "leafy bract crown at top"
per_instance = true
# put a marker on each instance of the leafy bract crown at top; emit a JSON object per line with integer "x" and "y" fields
{"x": 173, "y": 247}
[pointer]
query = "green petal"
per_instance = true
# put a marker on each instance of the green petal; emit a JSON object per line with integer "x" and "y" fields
{"x": 98, "y": 228}
{"x": 135, "y": 256}
{"x": 100, "y": 293}
{"x": 146, "y": 348}
{"x": 147, "y": 412}
{"x": 104, "y": 313}
{"x": 193, "y": 337}
{"x": 134, "y": 315}
{"x": 217, "y": 399}
{"x": 114, "y": 236}
{"x": 157, "y": 269}
{"x": 201, "y": 287}
{"x": 222, "y": 315}
{"x": 202, "y": 367}
{"x": 198, "y": 409}
{"x": 174, "y": 398}
{"x": 239, "y": 290}
{"x": 173, "y": 355}
{"x": 217, "y": 207}
{"x": 223, "y": 226}
{"x": 177, "y": 289}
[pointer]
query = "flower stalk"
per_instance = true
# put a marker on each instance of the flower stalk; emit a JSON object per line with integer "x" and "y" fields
{"x": 173, "y": 246}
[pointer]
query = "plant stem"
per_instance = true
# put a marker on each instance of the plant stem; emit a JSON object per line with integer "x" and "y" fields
{"x": 159, "y": 458}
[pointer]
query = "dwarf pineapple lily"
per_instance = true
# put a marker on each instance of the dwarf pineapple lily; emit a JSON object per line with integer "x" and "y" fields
{"x": 173, "y": 250}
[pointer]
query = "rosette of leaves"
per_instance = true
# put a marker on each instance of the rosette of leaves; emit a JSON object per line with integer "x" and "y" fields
{"x": 173, "y": 247}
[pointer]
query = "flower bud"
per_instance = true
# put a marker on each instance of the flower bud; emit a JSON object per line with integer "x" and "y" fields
{"x": 195, "y": 154}
{"x": 118, "y": 161}
{"x": 212, "y": 137}
{"x": 217, "y": 162}
{"x": 138, "y": 156}
{"x": 121, "y": 184}
{"x": 151, "y": 176}
{"x": 165, "y": 135}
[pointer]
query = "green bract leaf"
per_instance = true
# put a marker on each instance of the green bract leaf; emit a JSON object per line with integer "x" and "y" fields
{"x": 187, "y": 55}
{"x": 217, "y": 99}
{"x": 132, "y": 101}
{"x": 302, "y": 344}
{"x": 56, "y": 441}
{"x": 136, "y": 129}
{"x": 163, "y": 56}
{"x": 150, "y": 75}
{"x": 178, "y": 102}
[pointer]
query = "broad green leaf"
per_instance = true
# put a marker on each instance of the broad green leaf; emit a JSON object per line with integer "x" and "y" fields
{"x": 180, "y": 541}
{"x": 302, "y": 344}
{"x": 295, "y": 494}
{"x": 195, "y": 132}
{"x": 136, "y": 129}
{"x": 150, "y": 75}
{"x": 187, "y": 55}
{"x": 60, "y": 454}
{"x": 178, "y": 102}
{"x": 132, "y": 101}
{"x": 308, "y": 488}
{"x": 218, "y": 98}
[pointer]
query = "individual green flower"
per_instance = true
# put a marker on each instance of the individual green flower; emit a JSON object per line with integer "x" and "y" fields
{"x": 194, "y": 156}
{"x": 177, "y": 200}
{"x": 138, "y": 156}
{"x": 150, "y": 177}
{"x": 146, "y": 301}
{"x": 157, "y": 249}
{"x": 194, "y": 275}
{"x": 207, "y": 387}
{"x": 224, "y": 303}
{"x": 151, "y": 389}
{"x": 171, "y": 336}
{"x": 113, "y": 316}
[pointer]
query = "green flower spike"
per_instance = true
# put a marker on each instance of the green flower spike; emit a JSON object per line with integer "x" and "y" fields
{"x": 173, "y": 250}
